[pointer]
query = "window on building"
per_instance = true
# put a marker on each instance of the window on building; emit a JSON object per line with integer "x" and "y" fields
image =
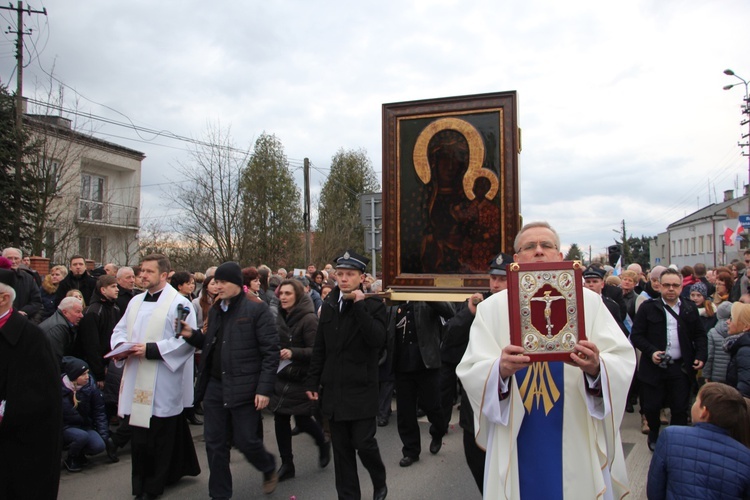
{"x": 700, "y": 244}
{"x": 92, "y": 197}
{"x": 710, "y": 243}
{"x": 692, "y": 245}
{"x": 680, "y": 253}
{"x": 90, "y": 248}
{"x": 674, "y": 248}
{"x": 663, "y": 249}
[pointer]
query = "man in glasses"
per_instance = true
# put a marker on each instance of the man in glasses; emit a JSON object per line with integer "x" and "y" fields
{"x": 672, "y": 340}
{"x": 522, "y": 410}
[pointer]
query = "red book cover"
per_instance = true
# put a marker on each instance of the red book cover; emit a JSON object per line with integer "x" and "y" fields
{"x": 545, "y": 305}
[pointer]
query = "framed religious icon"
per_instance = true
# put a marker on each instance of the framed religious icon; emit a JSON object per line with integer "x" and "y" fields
{"x": 450, "y": 190}
{"x": 545, "y": 305}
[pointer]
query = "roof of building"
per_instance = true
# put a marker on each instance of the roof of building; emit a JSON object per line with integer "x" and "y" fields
{"x": 61, "y": 126}
{"x": 709, "y": 212}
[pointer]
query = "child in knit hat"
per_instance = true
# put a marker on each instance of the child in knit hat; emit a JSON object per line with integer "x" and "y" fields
{"x": 85, "y": 425}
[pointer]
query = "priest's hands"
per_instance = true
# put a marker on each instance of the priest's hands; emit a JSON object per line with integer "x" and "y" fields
{"x": 512, "y": 360}
{"x": 139, "y": 350}
{"x": 261, "y": 402}
{"x": 586, "y": 357}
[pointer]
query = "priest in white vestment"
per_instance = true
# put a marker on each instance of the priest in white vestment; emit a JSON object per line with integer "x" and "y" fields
{"x": 551, "y": 429}
{"x": 157, "y": 382}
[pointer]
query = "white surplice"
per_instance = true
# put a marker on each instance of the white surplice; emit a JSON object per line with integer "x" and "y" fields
{"x": 593, "y": 462}
{"x": 173, "y": 390}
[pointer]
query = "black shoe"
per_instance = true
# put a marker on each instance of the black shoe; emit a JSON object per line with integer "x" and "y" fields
{"x": 324, "y": 456}
{"x": 84, "y": 460}
{"x": 73, "y": 464}
{"x": 382, "y": 421}
{"x": 629, "y": 408}
{"x": 286, "y": 471}
{"x": 295, "y": 430}
{"x": 193, "y": 419}
{"x": 435, "y": 445}
{"x": 380, "y": 493}
{"x": 111, "y": 449}
{"x": 420, "y": 413}
{"x": 651, "y": 445}
{"x": 407, "y": 461}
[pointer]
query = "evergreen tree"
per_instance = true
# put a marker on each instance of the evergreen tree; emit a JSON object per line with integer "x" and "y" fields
{"x": 273, "y": 210}
{"x": 574, "y": 253}
{"x": 339, "y": 225}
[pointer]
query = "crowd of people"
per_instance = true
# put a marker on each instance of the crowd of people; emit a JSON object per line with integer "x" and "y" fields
{"x": 138, "y": 354}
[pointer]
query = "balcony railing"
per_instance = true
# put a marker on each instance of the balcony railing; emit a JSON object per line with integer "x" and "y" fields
{"x": 107, "y": 214}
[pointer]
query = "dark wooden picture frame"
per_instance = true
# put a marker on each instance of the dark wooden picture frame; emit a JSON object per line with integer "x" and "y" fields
{"x": 546, "y": 296}
{"x": 450, "y": 190}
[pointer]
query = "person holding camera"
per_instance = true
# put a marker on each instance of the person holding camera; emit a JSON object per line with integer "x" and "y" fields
{"x": 671, "y": 337}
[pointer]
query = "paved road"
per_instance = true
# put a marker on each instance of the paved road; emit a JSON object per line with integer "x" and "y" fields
{"x": 441, "y": 476}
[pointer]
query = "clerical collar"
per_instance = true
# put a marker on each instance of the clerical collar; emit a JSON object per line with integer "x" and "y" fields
{"x": 153, "y": 297}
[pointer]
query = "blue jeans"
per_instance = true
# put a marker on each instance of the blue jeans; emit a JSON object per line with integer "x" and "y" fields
{"x": 82, "y": 441}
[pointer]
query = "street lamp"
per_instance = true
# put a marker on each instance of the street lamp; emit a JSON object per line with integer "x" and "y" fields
{"x": 745, "y": 120}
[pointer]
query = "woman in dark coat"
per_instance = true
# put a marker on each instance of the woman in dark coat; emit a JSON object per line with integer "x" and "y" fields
{"x": 737, "y": 345}
{"x": 297, "y": 324}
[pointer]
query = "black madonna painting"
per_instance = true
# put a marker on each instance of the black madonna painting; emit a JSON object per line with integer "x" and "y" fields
{"x": 451, "y": 189}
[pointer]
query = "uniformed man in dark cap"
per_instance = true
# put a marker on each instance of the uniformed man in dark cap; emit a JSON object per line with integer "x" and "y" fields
{"x": 455, "y": 340}
{"x": 593, "y": 279}
{"x": 343, "y": 375}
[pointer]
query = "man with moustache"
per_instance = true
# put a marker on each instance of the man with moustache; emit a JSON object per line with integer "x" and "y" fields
{"x": 584, "y": 398}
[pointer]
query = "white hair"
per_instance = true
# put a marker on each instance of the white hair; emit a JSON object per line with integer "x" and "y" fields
{"x": 210, "y": 271}
{"x": 8, "y": 289}
{"x": 20, "y": 253}
{"x": 68, "y": 303}
{"x": 121, "y": 272}
{"x": 531, "y": 225}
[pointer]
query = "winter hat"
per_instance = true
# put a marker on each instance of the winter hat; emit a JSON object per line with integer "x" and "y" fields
{"x": 74, "y": 367}
{"x": 700, "y": 288}
{"x": 724, "y": 311}
{"x": 229, "y": 271}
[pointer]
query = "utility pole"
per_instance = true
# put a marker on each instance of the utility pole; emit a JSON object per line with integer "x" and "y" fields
{"x": 19, "y": 104}
{"x": 306, "y": 170}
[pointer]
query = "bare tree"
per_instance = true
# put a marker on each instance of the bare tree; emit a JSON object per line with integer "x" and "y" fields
{"x": 211, "y": 197}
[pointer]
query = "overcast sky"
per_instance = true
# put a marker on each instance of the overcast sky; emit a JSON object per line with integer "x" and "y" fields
{"x": 621, "y": 104}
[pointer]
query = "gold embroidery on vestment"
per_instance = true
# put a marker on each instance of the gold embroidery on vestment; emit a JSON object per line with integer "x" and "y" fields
{"x": 539, "y": 387}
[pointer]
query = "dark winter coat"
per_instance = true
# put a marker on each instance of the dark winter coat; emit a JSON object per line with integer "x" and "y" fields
{"x": 30, "y": 432}
{"x": 700, "y": 462}
{"x": 123, "y": 298}
{"x": 650, "y": 335}
{"x": 738, "y": 372}
{"x": 85, "y": 283}
{"x": 47, "y": 293}
{"x": 297, "y": 330}
{"x": 249, "y": 351}
{"x": 61, "y": 335}
{"x": 89, "y": 414}
{"x": 94, "y": 332}
{"x": 28, "y": 298}
{"x": 344, "y": 366}
{"x": 430, "y": 329}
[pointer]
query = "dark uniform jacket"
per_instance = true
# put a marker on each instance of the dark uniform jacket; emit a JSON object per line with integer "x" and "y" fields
{"x": 249, "y": 351}
{"x": 650, "y": 335}
{"x": 430, "y": 329}
{"x": 738, "y": 371}
{"x": 344, "y": 366}
{"x": 30, "y": 433}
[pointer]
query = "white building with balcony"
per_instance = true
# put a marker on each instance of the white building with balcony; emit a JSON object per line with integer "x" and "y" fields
{"x": 97, "y": 200}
